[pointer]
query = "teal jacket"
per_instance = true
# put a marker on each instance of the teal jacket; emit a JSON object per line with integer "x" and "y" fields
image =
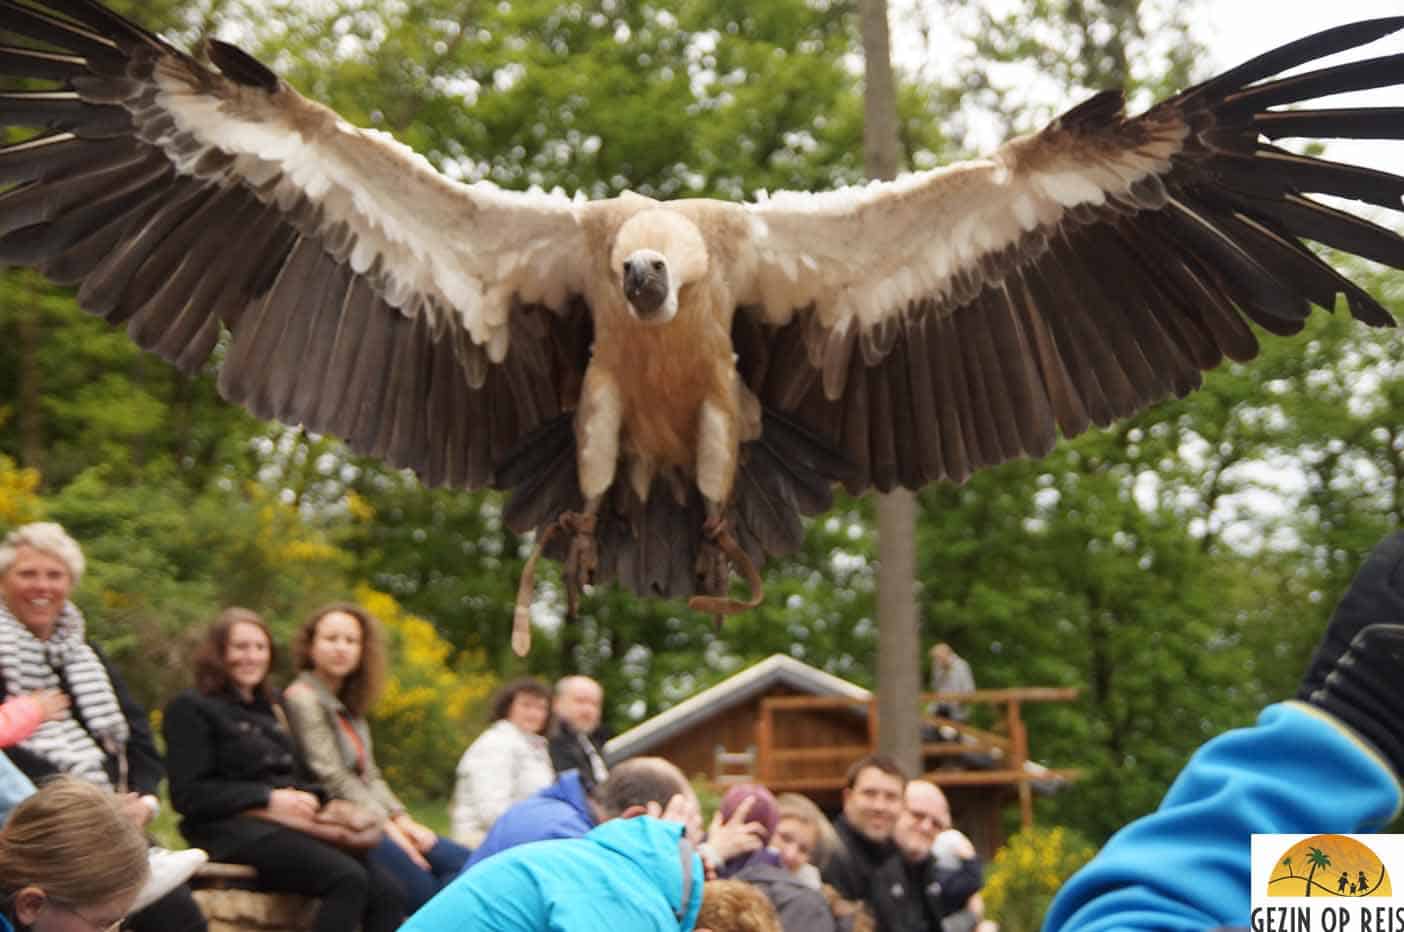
{"x": 1186, "y": 865}
{"x": 638, "y": 875}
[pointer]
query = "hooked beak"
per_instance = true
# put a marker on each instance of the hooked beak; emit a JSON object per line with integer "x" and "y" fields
{"x": 645, "y": 287}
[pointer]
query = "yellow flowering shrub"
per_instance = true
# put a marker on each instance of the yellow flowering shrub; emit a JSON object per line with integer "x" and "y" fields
{"x": 19, "y": 494}
{"x": 1027, "y": 871}
{"x": 283, "y": 534}
{"x": 431, "y": 705}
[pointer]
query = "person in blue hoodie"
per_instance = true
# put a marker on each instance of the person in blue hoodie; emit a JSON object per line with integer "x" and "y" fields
{"x": 639, "y": 875}
{"x": 565, "y": 809}
{"x": 1328, "y": 761}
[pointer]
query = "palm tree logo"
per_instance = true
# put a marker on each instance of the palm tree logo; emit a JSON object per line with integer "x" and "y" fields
{"x": 1316, "y": 858}
{"x": 1335, "y": 865}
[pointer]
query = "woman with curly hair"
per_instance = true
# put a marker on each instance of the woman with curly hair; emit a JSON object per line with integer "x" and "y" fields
{"x": 340, "y": 656}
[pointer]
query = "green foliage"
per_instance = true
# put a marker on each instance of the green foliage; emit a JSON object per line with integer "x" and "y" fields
{"x": 426, "y": 715}
{"x": 1027, "y": 871}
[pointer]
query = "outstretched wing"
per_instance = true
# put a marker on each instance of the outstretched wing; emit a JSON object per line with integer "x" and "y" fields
{"x": 429, "y": 323}
{"x": 953, "y": 319}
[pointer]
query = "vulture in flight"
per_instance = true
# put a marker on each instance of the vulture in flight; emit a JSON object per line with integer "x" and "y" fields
{"x": 665, "y": 388}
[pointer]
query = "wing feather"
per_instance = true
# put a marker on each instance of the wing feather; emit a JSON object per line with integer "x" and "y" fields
{"x": 364, "y": 293}
{"x": 942, "y": 343}
{"x": 1074, "y": 276}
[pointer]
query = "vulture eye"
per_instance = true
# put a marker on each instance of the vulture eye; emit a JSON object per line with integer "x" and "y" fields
{"x": 657, "y": 265}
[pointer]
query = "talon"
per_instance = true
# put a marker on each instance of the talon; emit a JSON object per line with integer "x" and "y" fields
{"x": 719, "y": 539}
{"x": 712, "y": 569}
{"x": 582, "y": 558}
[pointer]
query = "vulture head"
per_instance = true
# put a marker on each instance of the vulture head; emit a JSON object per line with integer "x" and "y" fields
{"x": 646, "y": 286}
{"x": 658, "y": 252}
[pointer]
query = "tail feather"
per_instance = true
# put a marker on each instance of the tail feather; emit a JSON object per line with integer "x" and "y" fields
{"x": 652, "y": 547}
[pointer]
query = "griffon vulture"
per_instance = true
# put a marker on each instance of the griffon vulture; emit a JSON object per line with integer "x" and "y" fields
{"x": 672, "y": 385}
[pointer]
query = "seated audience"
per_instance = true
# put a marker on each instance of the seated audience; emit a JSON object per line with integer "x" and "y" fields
{"x": 70, "y": 859}
{"x": 341, "y": 657}
{"x": 238, "y": 783}
{"x": 804, "y": 838}
{"x": 577, "y": 737}
{"x": 639, "y": 875}
{"x": 911, "y": 892}
{"x": 799, "y": 906}
{"x": 507, "y": 763}
{"x": 104, "y": 736}
{"x": 1330, "y": 761}
{"x": 872, "y": 800}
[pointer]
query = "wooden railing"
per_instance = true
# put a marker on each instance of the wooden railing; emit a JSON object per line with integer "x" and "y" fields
{"x": 1006, "y": 745}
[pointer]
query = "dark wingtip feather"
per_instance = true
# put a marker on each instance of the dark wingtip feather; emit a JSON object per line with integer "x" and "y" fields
{"x": 1319, "y": 45}
{"x": 241, "y": 67}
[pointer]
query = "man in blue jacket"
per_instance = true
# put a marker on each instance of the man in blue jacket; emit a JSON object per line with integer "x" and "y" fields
{"x": 1329, "y": 761}
{"x": 565, "y": 809}
{"x": 627, "y": 875}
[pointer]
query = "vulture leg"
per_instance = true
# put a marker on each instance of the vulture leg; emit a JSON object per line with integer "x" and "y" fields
{"x": 581, "y": 562}
{"x": 719, "y": 552}
{"x": 713, "y": 569}
{"x": 583, "y": 558}
{"x": 717, "y": 459}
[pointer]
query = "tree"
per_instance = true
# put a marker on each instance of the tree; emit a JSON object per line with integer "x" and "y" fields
{"x": 898, "y": 679}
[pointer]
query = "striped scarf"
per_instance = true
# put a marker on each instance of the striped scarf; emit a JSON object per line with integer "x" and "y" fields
{"x": 65, "y": 661}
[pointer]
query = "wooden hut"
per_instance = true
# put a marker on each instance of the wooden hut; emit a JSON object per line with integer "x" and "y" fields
{"x": 795, "y": 728}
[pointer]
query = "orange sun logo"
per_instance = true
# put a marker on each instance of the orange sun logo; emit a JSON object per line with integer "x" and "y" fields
{"x": 1328, "y": 865}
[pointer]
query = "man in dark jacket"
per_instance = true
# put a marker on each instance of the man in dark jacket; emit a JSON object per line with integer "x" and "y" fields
{"x": 872, "y": 800}
{"x": 911, "y": 891}
{"x": 577, "y": 737}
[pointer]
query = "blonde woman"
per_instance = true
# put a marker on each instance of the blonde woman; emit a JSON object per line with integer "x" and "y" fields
{"x": 341, "y": 656}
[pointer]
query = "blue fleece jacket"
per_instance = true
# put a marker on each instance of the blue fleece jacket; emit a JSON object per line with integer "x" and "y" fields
{"x": 561, "y": 810}
{"x": 1186, "y": 865}
{"x": 637, "y": 875}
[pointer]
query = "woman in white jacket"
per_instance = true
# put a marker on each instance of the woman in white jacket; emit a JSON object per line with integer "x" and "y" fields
{"x": 507, "y": 763}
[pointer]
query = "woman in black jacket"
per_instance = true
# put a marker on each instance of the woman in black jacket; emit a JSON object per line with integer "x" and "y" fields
{"x": 227, "y": 754}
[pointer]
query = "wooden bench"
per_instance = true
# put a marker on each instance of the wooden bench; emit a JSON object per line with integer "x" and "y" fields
{"x": 229, "y": 897}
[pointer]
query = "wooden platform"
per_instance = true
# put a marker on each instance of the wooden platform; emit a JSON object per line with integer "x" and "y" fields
{"x": 228, "y": 896}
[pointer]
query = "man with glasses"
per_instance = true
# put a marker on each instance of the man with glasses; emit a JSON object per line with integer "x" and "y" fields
{"x": 912, "y": 891}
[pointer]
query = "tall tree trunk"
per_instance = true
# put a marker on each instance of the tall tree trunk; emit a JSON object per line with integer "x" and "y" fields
{"x": 899, "y": 645}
